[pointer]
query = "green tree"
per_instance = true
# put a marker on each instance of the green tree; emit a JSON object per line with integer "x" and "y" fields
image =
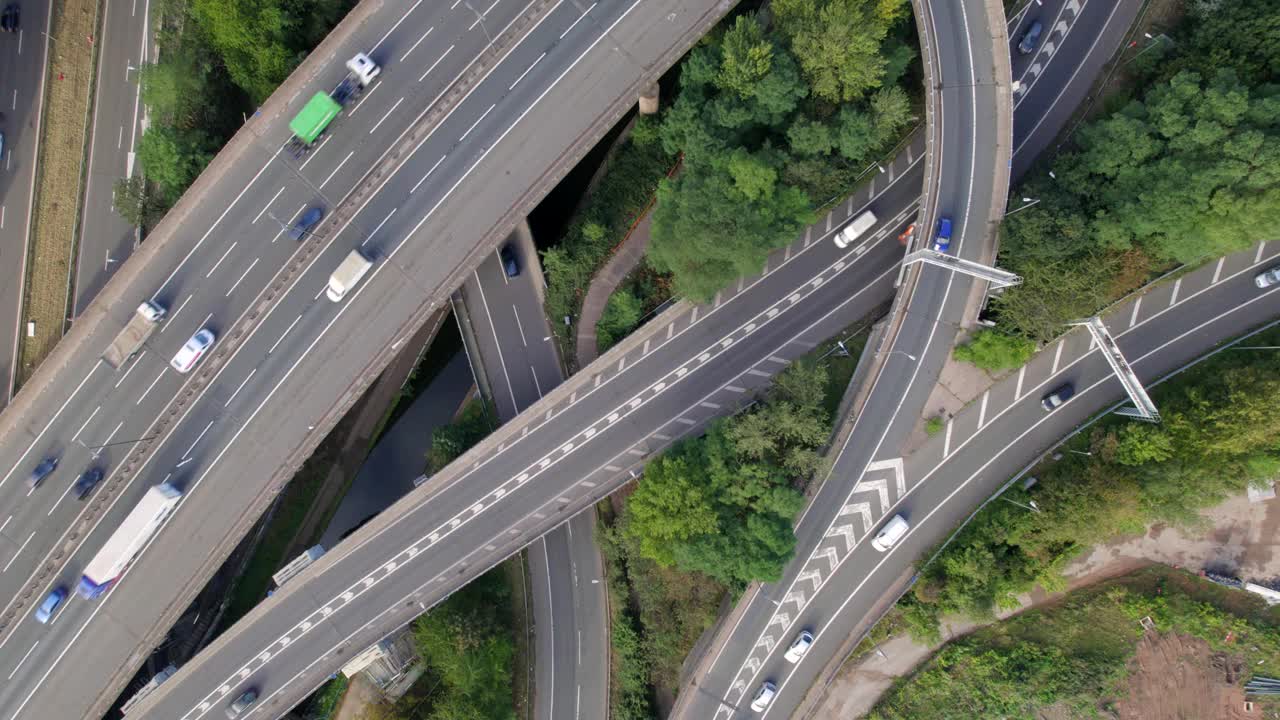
{"x": 173, "y": 158}
{"x": 621, "y": 314}
{"x": 254, "y": 39}
{"x": 838, "y": 43}
{"x": 746, "y": 57}
{"x": 1139, "y": 444}
{"x": 672, "y": 506}
{"x": 136, "y": 202}
{"x": 995, "y": 351}
{"x": 810, "y": 137}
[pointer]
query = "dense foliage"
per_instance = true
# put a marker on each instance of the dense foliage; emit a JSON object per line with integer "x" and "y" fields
{"x": 1073, "y": 655}
{"x": 1218, "y": 433}
{"x": 995, "y": 351}
{"x": 773, "y": 120}
{"x": 723, "y": 504}
{"x": 471, "y": 426}
{"x": 1188, "y": 170}
{"x": 467, "y": 647}
{"x": 218, "y": 60}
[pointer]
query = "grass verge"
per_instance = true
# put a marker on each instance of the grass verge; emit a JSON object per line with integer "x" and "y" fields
{"x": 64, "y": 135}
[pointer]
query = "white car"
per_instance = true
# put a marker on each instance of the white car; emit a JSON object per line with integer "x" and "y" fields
{"x": 1267, "y": 278}
{"x": 891, "y": 533}
{"x": 799, "y": 647}
{"x": 764, "y": 696}
{"x": 195, "y": 349}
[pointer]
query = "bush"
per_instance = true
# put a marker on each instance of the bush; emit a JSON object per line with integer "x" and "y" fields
{"x": 995, "y": 351}
{"x": 934, "y": 425}
{"x": 471, "y": 426}
{"x": 621, "y": 315}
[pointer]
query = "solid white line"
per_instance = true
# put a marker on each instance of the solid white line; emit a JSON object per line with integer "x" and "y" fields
{"x": 437, "y": 62}
{"x": 1177, "y": 285}
{"x": 575, "y": 22}
{"x": 199, "y": 437}
{"x": 946, "y": 439}
{"x": 335, "y": 170}
{"x": 1133, "y": 316}
{"x": 424, "y": 177}
{"x": 15, "y": 555}
{"x": 384, "y": 117}
{"x": 379, "y": 227}
{"x": 526, "y": 72}
{"x": 1017, "y": 391}
{"x": 1257, "y": 257}
{"x": 477, "y": 122}
{"x": 552, "y": 630}
{"x": 497, "y": 343}
{"x": 24, "y": 657}
{"x": 240, "y": 388}
{"x": 242, "y": 275}
{"x": 224, "y": 257}
{"x": 1057, "y": 356}
{"x": 285, "y": 333}
{"x": 1217, "y": 271}
{"x": 153, "y": 384}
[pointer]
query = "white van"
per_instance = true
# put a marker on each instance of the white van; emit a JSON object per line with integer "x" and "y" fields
{"x": 854, "y": 230}
{"x": 348, "y": 275}
{"x": 891, "y": 533}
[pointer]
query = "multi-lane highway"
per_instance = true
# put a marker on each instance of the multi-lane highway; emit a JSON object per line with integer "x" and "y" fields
{"x": 517, "y": 355}
{"x": 282, "y": 372}
{"x": 23, "y": 60}
{"x": 106, "y": 240}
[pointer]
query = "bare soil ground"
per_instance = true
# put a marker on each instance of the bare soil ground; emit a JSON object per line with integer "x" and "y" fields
{"x": 1173, "y": 677}
{"x": 68, "y": 97}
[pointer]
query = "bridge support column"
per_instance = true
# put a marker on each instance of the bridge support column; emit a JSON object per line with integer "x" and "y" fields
{"x": 649, "y": 100}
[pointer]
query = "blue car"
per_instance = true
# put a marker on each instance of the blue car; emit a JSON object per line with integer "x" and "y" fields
{"x": 308, "y": 220}
{"x": 51, "y": 603}
{"x": 1031, "y": 38}
{"x": 942, "y": 241}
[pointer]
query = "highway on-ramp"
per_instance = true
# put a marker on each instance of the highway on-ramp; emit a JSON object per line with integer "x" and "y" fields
{"x": 234, "y": 429}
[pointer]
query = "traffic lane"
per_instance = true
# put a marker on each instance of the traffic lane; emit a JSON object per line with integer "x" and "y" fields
{"x": 557, "y": 625}
{"x": 105, "y": 238}
{"x": 360, "y": 552}
{"x": 22, "y": 64}
{"x": 972, "y": 457}
{"x": 984, "y": 468}
{"x": 1041, "y": 112}
{"x": 591, "y": 664}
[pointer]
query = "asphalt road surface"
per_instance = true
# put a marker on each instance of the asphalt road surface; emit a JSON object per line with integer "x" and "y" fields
{"x": 518, "y": 357}
{"x": 23, "y": 59}
{"x": 106, "y": 240}
{"x": 255, "y": 406}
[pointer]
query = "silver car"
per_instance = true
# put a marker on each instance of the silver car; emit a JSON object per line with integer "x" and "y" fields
{"x": 1267, "y": 278}
{"x": 242, "y": 703}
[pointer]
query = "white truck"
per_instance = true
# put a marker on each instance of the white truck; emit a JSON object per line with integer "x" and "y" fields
{"x": 128, "y": 540}
{"x": 349, "y": 273}
{"x": 144, "y": 322}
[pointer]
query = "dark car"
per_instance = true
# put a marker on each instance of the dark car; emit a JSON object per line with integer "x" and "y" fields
{"x": 87, "y": 481}
{"x": 1060, "y": 395}
{"x": 510, "y": 263}
{"x": 308, "y": 220}
{"x": 9, "y": 18}
{"x": 42, "y": 471}
{"x": 1030, "y": 38}
{"x": 242, "y": 703}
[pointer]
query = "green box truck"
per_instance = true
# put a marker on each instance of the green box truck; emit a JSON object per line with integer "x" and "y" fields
{"x": 314, "y": 117}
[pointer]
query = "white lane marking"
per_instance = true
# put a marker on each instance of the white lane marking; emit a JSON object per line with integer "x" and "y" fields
{"x": 1133, "y": 316}
{"x": 434, "y": 64}
{"x": 285, "y": 333}
{"x": 1017, "y": 390}
{"x": 946, "y": 439}
{"x": 393, "y": 27}
{"x": 62, "y": 497}
{"x": 1217, "y": 271}
{"x": 224, "y": 257}
{"x": 575, "y": 22}
{"x": 241, "y": 387}
{"x": 266, "y": 207}
{"x": 497, "y": 343}
{"x": 335, "y": 170}
{"x": 366, "y": 96}
{"x": 526, "y": 72}
{"x": 552, "y": 666}
{"x": 175, "y": 313}
{"x": 384, "y": 117}
{"x": 481, "y": 16}
{"x": 143, "y": 396}
{"x": 6, "y": 523}
{"x": 1057, "y": 356}
{"x": 519, "y": 325}
{"x": 199, "y": 437}
{"x": 424, "y": 177}
{"x": 24, "y": 657}
{"x": 242, "y": 276}
{"x": 415, "y": 45}
{"x": 1177, "y": 285}
{"x": 379, "y": 226}
{"x": 315, "y": 153}
{"x": 92, "y": 415}
{"x": 286, "y": 225}
{"x": 483, "y": 115}
{"x": 15, "y": 555}
{"x": 49, "y": 424}
{"x": 1257, "y": 257}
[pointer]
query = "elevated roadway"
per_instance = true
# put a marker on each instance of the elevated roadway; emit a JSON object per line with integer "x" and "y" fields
{"x": 447, "y": 128}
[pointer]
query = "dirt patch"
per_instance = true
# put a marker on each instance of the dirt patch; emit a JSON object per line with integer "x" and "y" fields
{"x": 1178, "y": 676}
{"x": 59, "y": 171}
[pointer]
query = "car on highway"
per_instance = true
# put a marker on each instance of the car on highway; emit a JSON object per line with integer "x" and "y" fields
{"x": 1, "y": 144}
{"x": 1267, "y": 278}
{"x": 799, "y": 647}
{"x": 1055, "y": 399}
{"x": 51, "y": 603}
{"x": 854, "y": 230}
{"x": 87, "y": 481}
{"x": 1030, "y": 38}
{"x": 942, "y": 240}
{"x": 42, "y": 471}
{"x": 309, "y": 219}
{"x": 193, "y": 350}
{"x": 904, "y": 237}
{"x": 764, "y": 696}
{"x": 242, "y": 703}
{"x": 890, "y": 534}
{"x": 9, "y": 18}
{"x": 510, "y": 263}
